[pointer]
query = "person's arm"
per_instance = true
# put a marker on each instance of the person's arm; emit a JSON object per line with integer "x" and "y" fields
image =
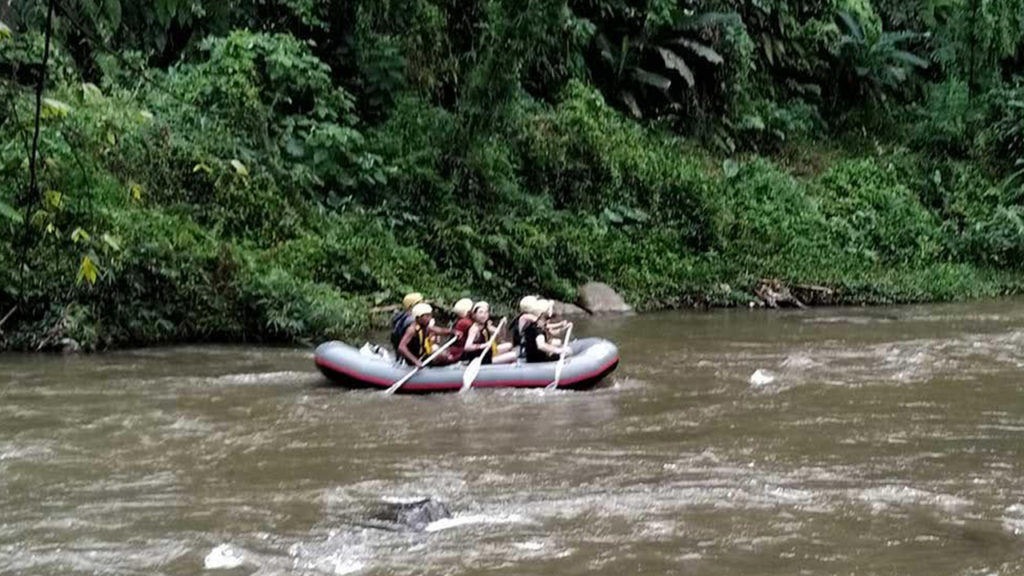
{"x": 474, "y": 333}
{"x": 558, "y": 326}
{"x": 403, "y": 346}
{"x": 543, "y": 346}
{"x": 441, "y": 330}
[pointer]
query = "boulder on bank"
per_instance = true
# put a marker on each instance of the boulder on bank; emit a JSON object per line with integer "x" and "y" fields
{"x": 600, "y": 298}
{"x": 566, "y": 310}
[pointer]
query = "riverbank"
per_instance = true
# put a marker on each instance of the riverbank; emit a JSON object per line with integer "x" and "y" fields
{"x": 188, "y": 256}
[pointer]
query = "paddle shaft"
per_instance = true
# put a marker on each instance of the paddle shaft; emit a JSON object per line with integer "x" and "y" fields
{"x": 416, "y": 370}
{"x": 561, "y": 361}
{"x": 473, "y": 370}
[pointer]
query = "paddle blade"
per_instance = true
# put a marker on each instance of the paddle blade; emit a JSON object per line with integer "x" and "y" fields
{"x": 561, "y": 362}
{"x": 472, "y": 371}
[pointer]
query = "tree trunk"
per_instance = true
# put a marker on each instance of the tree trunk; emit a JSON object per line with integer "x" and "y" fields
{"x": 32, "y": 194}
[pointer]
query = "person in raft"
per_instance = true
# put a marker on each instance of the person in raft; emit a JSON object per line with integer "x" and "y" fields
{"x": 463, "y": 322}
{"x": 416, "y": 344}
{"x": 520, "y": 322}
{"x": 556, "y": 327}
{"x": 402, "y": 319}
{"x": 535, "y": 338}
{"x": 480, "y": 333}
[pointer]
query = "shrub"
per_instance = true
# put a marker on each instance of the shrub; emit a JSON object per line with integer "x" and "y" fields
{"x": 767, "y": 223}
{"x": 875, "y": 216}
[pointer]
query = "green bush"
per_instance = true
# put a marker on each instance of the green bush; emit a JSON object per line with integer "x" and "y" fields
{"x": 767, "y": 224}
{"x": 586, "y": 157}
{"x": 357, "y": 255}
{"x": 873, "y": 215}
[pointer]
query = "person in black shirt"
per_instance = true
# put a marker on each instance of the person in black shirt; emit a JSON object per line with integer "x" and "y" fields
{"x": 535, "y": 338}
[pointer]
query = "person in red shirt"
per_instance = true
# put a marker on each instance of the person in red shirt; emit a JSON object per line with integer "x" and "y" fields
{"x": 461, "y": 328}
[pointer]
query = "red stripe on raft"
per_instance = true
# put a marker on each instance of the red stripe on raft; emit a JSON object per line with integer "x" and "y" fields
{"x": 458, "y": 384}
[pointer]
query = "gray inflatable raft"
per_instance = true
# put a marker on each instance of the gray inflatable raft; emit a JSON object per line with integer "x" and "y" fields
{"x": 591, "y": 361}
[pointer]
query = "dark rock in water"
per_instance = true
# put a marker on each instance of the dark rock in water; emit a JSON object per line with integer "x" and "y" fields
{"x": 410, "y": 515}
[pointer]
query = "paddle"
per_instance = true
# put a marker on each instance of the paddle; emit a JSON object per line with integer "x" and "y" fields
{"x": 561, "y": 361}
{"x": 416, "y": 370}
{"x": 473, "y": 370}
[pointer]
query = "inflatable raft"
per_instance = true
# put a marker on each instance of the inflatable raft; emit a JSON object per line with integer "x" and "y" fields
{"x": 591, "y": 361}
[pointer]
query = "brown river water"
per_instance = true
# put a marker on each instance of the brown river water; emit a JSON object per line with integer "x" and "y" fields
{"x": 839, "y": 441}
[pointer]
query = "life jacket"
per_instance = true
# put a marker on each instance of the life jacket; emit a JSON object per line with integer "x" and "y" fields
{"x": 516, "y": 336}
{"x": 423, "y": 342}
{"x": 485, "y": 335}
{"x": 531, "y": 352}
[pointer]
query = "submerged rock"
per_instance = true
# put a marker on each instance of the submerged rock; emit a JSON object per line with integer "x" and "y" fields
{"x": 414, "y": 516}
{"x": 599, "y": 298}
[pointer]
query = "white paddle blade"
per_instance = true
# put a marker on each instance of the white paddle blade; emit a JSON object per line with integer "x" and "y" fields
{"x": 469, "y": 376}
{"x": 561, "y": 362}
{"x": 472, "y": 371}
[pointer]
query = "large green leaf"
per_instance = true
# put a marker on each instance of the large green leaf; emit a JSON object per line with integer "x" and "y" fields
{"x": 851, "y": 25}
{"x": 8, "y": 212}
{"x": 630, "y": 101}
{"x": 651, "y": 79}
{"x": 112, "y": 10}
{"x": 605, "y": 48}
{"x": 909, "y": 59}
{"x": 674, "y": 62}
{"x": 88, "y": 270}
{"x": 706, "y": 52}
{"x": 709, "y": 19}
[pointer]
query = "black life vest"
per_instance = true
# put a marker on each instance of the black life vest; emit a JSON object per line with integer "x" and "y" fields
{"x": 517, "y": 338}
{"x": 421, "y": 345}
{"x": 532, "y": 353}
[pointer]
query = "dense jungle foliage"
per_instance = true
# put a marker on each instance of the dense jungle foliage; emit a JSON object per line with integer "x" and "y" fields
{"x": 274, "y": 169}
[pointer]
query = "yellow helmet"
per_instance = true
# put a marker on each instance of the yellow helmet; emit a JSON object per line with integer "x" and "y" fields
{"x": 411, "y": 300}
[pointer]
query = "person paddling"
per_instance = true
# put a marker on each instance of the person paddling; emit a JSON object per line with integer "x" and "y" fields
{"x": 416, "y": 343}
{"x": 535, "y": 339}
{"x": 480, "y": 334}
{"x": 402, "y": 319}
{"x": 556, "y": 327}
{"x": 461, "y": 328}
{"x": 524, "y": 318}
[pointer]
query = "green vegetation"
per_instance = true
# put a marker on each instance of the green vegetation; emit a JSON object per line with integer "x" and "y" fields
{"x": 274, "y": 170}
